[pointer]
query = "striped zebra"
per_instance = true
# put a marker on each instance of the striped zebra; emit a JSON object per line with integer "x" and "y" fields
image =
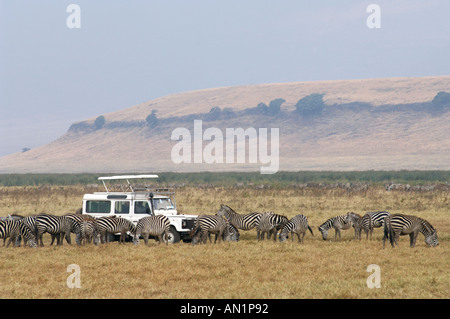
{"x": 88, "y": 231}
{"x": 297, "y": 225}
{"x": 357, "y": 222}
{"x": 15, "y": 228}
{"x": 206, "y": 224}
{"x": 398, "y": 224}
{"x": 243, "y": 222}
{"x": 270, "y": 223}
{"x": 338, "y": 223}
{"x": 373, "y": 220}
{"x": 231, "y": 233}
{"x": 112, "y": 225}
{"x": 158, "y": 225}
{"x": 55, "y": 225}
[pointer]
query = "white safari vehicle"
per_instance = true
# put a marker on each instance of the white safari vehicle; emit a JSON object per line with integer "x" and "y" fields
{"x": 134, "y": 202}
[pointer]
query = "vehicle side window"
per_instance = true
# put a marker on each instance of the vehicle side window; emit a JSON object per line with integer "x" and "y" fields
{"x": 122, "y": 207}
{"x": 98, "y": 206}
{"x": 141, "y": 207}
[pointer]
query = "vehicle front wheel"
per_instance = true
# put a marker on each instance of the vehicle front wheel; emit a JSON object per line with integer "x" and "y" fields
{"x": 174, "y": 236}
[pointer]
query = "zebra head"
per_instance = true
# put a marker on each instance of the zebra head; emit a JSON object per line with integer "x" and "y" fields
{"x": 32, "y": 242}
{"x": 283, "y": 236}
{"x": 324, "y": 232}
{"x": 432, "y": 239}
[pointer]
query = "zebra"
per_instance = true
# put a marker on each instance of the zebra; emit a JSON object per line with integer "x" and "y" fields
{"x": 398, "y": 224}
{"x": 15, "y": 228}
{"x": 357, "y": 222}
{"x": 244, "y": 222}
{"x": 158, "y": 225}
{"x": 373, "y": 220}
{"x": 54, "y": 225}
{"x": 231, "y": 233}
{"x": 297, "y": 225}
{"x": 113, "y": 224}
{"x": 206, "y": 224}
{"x": 88, "y": 231}
{"x": 270, "y": 223}
{"x": 338, "y": 223}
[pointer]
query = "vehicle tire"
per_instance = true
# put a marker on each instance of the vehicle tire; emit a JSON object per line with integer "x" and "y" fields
{"x": 174, "y": 236}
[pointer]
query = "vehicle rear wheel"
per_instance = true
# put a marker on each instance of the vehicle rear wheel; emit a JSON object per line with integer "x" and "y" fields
{"x": 174, "y": 236}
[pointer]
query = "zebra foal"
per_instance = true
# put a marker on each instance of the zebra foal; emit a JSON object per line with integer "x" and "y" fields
{"x": 297, "y": 225}
{"x": 338, "y": 223}
{"x": 153, "y": 225}
{"x": 398, "y": 225}
{"x": 357, "y": 221}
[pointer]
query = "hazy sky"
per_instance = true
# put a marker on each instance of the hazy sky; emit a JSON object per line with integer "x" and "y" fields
{"x": 128, "y": 52}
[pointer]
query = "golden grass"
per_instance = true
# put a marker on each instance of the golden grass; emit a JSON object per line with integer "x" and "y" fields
{"x": 247, "y": 269}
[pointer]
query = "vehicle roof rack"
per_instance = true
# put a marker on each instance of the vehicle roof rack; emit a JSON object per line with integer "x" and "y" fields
{"x": 127, "y": 178}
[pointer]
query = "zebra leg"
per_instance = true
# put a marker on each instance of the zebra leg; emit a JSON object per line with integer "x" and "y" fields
{"x": 11, "y": 238}
{"x": 145, "y": 236}
{"x": 413, "y": 238}
{"x": 166, "y": 237}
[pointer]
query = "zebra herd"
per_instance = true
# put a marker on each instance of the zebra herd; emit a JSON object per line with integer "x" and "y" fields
{"x": 86, "y": 228}
{"x": 225, "y": 225}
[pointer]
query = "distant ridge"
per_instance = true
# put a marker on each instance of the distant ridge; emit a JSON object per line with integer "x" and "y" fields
{"x": 379, "y": 124}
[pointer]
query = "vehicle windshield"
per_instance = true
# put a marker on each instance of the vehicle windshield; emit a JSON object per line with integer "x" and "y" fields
{"x": 163, "y": 203}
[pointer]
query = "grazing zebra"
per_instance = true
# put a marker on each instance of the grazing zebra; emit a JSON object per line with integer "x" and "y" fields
{"x": 357, "y": 222}
{"x": 270, "y": 223}
{"x": 113, "y": 225}
{"x": 158, "y": 225}
{"x": 206, "y": 224}
{"x": 54, "y": 225}
{"x": 373, "y": 220}
{"x": 244, "y": 222}
{"x": 15, "y": 228}
{"x": 297, "y": 225}
{"x": 338, "y": 223}
{"x": 398, "y": 224}
{"x": 231, "y": 233}
{"x": 88, "y": 231}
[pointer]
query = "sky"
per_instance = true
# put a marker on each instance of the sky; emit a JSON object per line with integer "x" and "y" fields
{"x": 129, "y": 52}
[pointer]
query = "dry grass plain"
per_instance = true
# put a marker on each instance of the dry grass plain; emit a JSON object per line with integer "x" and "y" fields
{"x": 246, "y": 269}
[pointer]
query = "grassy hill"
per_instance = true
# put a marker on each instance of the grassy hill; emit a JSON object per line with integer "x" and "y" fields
{"x": 374, "y": 124}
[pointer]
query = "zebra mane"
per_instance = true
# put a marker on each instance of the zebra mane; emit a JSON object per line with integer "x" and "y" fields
{"x": 227, "y": 209}
{"x": 426, "y": 224}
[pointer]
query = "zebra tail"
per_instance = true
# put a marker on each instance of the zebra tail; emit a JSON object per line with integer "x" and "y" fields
{"x": 310, "y": 230}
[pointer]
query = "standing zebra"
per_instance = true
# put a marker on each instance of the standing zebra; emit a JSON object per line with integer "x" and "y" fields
{"x": 54, "y": 225}
{"x": 270, "y": 223}
{"x": 373, "y": 220}
{"x": 398, "y": 224}
{"x": 244, "y": 222}
{"x": 297, "y": 225}
{"x": 357, "y": 222}
{"x": 338, "y": 223}
{"x": 158, "y": 225}
{"x": 88, "y": 231}
{"x": 15, "y": 228}
{"x": 113, "y": 225}
{"x": 206, "y": 224}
